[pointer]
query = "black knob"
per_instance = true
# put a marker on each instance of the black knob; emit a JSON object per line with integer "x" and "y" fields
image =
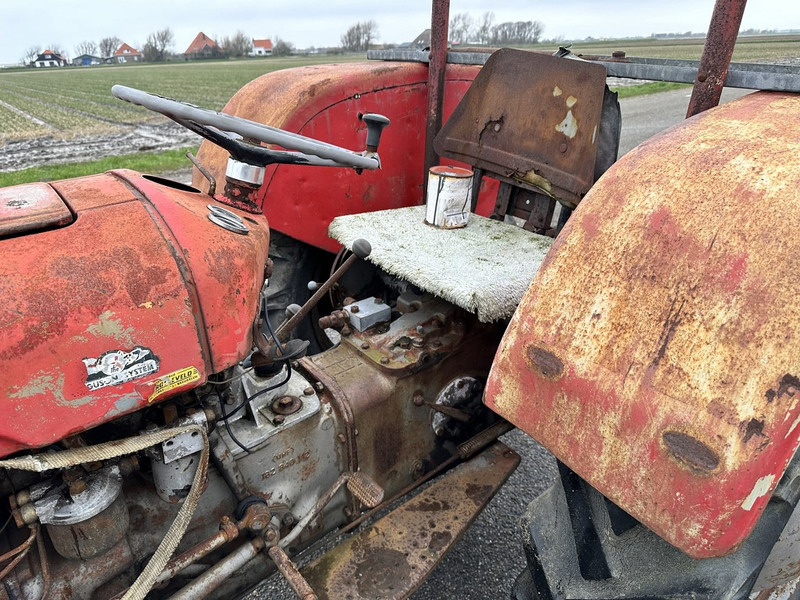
{"x": 362, "y": 248}
{"x": 375, "y": 124}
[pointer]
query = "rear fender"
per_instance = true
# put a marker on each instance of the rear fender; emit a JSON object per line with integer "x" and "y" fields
{"x": 655, "y": 352}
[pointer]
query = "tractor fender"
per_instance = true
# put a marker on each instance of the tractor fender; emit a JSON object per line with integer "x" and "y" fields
{"x": 655, "y": 352}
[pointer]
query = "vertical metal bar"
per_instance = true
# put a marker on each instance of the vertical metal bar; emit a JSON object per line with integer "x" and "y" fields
{"x": 440, "y": 15}
{"x": 717, "y": 52}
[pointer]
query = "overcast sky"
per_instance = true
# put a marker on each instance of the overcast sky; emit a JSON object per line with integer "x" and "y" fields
{"x": 321, "y": 23}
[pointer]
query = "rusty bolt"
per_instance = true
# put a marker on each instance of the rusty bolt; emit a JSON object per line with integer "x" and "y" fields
{"x": 279, "y": 419}
{"x": 309, "y": 391}
{"x": 341, "y": 438}
{"x": 319, "y": 386}
{"x": 378, "y": 300}
{"x": 439, "y": 431}
{"x": 419, "y": 398}
{"x": 385, "y": 360}
{"x": 355, "y": 310}
{"x": 701, "y": 77}
{"x": 346, "y": 330}
{"x": 562, "y": 147}
{"x": 418, "y": 342}
{"x": 288, "y": 519}
{"x": 365, "y": 346}
{"x": 271, "y": 535}
{"x": 285, "y": 401}
{"x": 418, "y": 469}
{"x": 295, "y": 364}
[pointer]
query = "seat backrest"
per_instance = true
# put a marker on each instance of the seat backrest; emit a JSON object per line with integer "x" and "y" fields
{"x": 534, "y": 122}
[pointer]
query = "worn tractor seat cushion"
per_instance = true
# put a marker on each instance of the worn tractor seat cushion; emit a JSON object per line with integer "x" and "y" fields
{"x": 484, "y": 267}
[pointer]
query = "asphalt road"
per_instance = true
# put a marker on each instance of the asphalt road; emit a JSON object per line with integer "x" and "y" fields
{"x": 485, "y": 562}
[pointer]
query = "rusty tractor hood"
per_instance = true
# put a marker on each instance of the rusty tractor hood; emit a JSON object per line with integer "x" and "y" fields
{"x": 655, "y": 352}
{"x": 118, "y": 292}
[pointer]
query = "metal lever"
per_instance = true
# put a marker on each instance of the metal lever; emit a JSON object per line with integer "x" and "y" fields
{"x": 361, "y": 249}
{"x": 375, "y": 126}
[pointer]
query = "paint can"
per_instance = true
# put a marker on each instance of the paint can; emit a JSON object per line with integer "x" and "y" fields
{"x": 449, "y": 197}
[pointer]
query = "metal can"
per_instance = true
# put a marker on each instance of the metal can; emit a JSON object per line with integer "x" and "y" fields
{"x": 449, "y": 197}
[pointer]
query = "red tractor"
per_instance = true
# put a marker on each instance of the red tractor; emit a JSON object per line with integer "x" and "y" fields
{"x": 178, "y": 426}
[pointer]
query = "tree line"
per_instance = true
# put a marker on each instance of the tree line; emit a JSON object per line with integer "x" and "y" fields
{"x": 158, "y": 47}
{"x": 463, "y": 29}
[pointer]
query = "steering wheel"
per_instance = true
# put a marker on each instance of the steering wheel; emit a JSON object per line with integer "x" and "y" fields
{"x": 217, "y": 127}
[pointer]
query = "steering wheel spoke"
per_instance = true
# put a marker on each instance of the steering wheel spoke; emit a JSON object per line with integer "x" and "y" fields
{"x": 218, "y": 127}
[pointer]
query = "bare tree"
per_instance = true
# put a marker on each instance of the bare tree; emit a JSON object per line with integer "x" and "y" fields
{"x": 57, "y": 49}
{"x": 157, "y": 45}
{"x": 359, "y": 36}
{"x": 108, "y": 45}
{"x": 460, "y": 27}
{"x": 483, "y": 30}
{"x": 281, "y": 47}
{"x": 86, "y": 47}
{"x": 519, "y": 32}
{"x": 30, "y": 55}
{"x": 238, "y": 45}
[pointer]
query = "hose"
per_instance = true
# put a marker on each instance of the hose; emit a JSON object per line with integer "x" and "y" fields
{"x": 108, "y": 450}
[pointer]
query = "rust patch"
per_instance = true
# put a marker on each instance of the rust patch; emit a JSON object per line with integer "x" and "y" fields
{"x": 787, "y": 386}
{"x": 380, "y": 571}
{"x": 440, "y": 540}
{"x": 751, "y": 428}
{"x": 668, "y": 331}
{"x": 690, "y": 451}
{"x": 478, "y": 493}
{"x": 547, "y": 364}
{"x": 426, "y": 505}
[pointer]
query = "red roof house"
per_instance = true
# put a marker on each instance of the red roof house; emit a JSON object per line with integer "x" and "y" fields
{"x": 261, "y": 48}
{"x": 203, "y": 47}
{"x": 126, "y": 54}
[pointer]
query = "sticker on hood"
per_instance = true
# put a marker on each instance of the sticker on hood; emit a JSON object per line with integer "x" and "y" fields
{"x": 118, "y": 366}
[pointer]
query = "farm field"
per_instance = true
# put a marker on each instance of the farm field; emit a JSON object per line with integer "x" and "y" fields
{"x": 51, "y": 116}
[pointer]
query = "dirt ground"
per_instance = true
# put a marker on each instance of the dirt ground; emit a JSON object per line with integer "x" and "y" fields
{"x": 48, "y": 150}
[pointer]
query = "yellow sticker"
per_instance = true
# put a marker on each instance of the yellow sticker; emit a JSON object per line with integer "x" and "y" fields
{"x": 173, "y": 380}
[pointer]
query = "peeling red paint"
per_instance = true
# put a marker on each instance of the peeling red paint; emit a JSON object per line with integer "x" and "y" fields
{"x": 125, "y": 279}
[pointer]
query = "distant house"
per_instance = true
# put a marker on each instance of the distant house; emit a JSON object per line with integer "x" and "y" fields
{"x": 261, "y": 48}
{"x": 85, "y": 60}
{"x": 48, "y": 58}
{"x": 423, "y": 40}
{"x": 203, "y": 47}
{"x": 126, "y": 54}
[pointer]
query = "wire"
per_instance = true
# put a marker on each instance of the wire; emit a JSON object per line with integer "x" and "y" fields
{"x": 8, "y": 520}
{"x": 226, "y": 416}
{"x": 232, "y": 378}
{"x": 228, "y": 427}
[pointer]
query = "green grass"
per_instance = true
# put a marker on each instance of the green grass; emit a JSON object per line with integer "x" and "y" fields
{"x": 653, "y": 87}
{"x": 145, "y": 162}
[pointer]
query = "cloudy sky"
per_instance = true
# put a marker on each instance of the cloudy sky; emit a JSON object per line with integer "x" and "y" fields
{"x": 321, "y": 23}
